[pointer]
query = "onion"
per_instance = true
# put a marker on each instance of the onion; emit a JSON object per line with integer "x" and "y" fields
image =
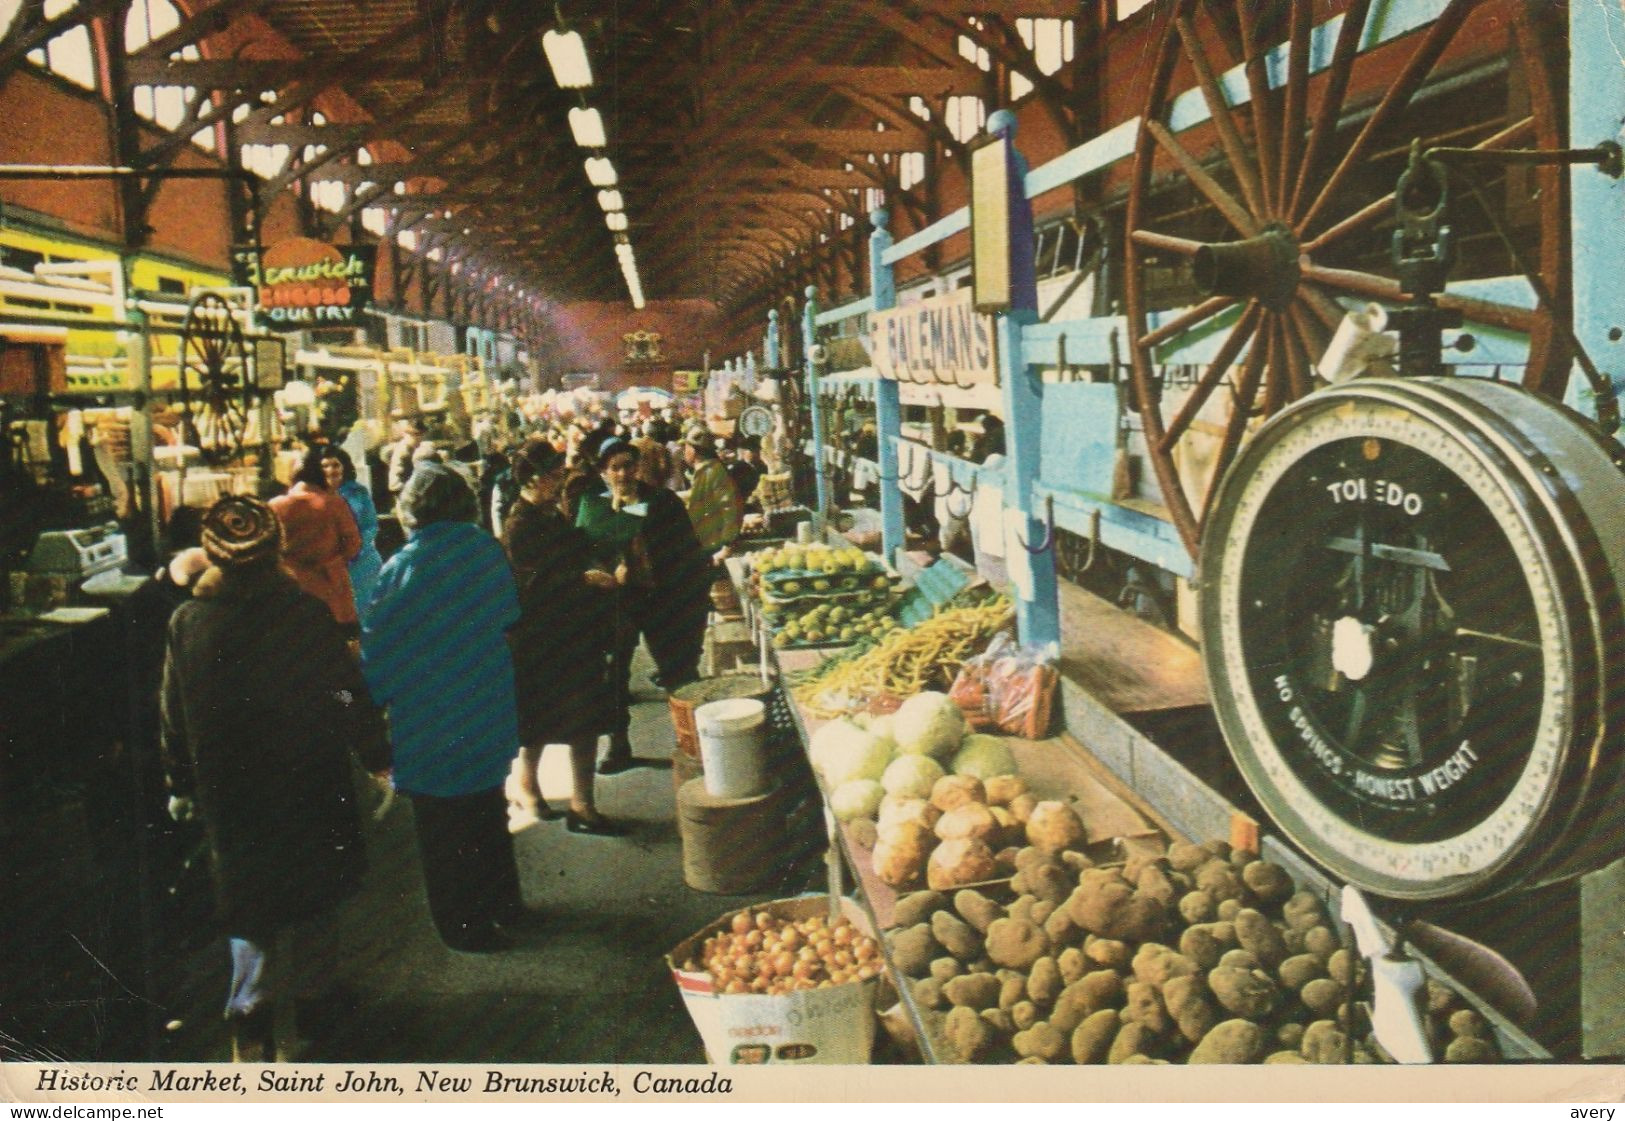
{"x": 741, "y": 923}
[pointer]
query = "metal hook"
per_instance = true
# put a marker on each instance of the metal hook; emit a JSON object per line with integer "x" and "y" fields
{"x": 1049, "y": 530}
{"x": 1093, "y": 540}
{"x": 970, "y": 500}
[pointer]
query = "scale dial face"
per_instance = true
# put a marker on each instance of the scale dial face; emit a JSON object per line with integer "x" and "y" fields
{"x": 1387, "y": 647}
{"x": 756, "y": 421}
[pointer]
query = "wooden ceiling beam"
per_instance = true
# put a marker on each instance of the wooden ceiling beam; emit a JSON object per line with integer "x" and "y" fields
{"x": 203, "y": 22}
{"x": 926, "y": 81}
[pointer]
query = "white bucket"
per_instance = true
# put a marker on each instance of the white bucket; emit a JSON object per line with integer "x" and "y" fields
{"x": 731, "y": 752}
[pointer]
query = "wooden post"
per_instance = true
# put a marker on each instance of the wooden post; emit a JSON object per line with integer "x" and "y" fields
{"x": 888, "y": 403}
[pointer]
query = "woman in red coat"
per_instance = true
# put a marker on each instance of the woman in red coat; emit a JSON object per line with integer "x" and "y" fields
{"x": 319, "y": 539}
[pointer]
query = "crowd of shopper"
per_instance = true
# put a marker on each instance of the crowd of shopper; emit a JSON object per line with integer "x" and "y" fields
{"x": 506, "y": 620}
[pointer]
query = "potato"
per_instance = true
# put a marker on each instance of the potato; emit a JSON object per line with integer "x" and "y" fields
{"x": 1109, "y": 952}
{"x": 1243, "y": 993}
{"x": 1013, "y": 989}
{"x": 1061, "y": 929}
{"x": 1269, "y": 883}
{"x": 1217, "y": 848}
{"x": 1441, "y": 998}
{"x": 1105, "y": 905}
{"x": 999, "y": 1020}
{"x": 1340, "y": 967}
{"x": 863, "y": 832}
{"x": 1038, "y": 914}
{"x": 1047, "y": 880}
{"x": 957, "y": 863}
{"x": 913, "y": 949}
{"x": 1199, "y": 944}
{"x": 1022, "y": 908}
{"x": 1220, "y": 881}
{"x": 1044, "y": 982}
{"x": 971, "y": 820}
{"x": 1321, "y": 941}
{"x": 1256, "y": 933}
{"x": 928, "y": 993}
{"x": 1131, "y": 1040}
{"x": 1002, "y": 789}
{"x": 973, "y": 990}
{"x": 969, "y": 1036}
{"x": 1292, "y": 939}
{"x": 1027, "y": 856}
{"x": 1093, "y": 1037}
{"x": 1153, "y": 883}
{"x": 1016, "y": 943}
{"x": 1021, "y": 807}
{"x": 1186, "y": 857}
{"x": 1142, "y": 1005}
{"x": 956, "y": 936}
{"x": 1009, "y": 829}
{"x": 902, "y": 852}
{"x": 1289, "y": 1035}
{"x": 1053, "y": 826}
{"x": 1187, "y": 1001}
{"x": 945, "y": 969}
{"x": 1154, "y": 963}
{"x": 1323, "y": 1042}
{"x": 952, "y": 791}
{"x": 1285, "y": 1058}
{"x": 916, "y": 907}
{"x": 980, "y": 965}
{"x": 1469, "y": 1024}
{"x": 1041, "y": 1041}
{"x": 1100, "y": 989}
{"x": 1298, "y": 970}
{"x": 1228, "y": 909}
{"x": 1071, "y": 964}
{"x": 1233, "y": 1041}
{"x": 1239, "y": 959}
{"x": 976, "y": 909}
{"x": 1322, "y": 996}
{"x": 1197, "y": 907}
{"x": 1024, "y": 1014}
{"x": 1304, "y": 911}
{"x": 1469, "y": 1049}
{"x": 895, "y": 810}
{"x": 1076, "y": 861}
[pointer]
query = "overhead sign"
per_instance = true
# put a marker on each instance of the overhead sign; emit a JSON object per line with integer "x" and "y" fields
{"x": 303, "y": 284}
{"x": 943, "y": 342}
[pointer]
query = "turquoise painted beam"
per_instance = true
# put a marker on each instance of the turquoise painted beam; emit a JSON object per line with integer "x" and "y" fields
{"x": 888, "y": 404}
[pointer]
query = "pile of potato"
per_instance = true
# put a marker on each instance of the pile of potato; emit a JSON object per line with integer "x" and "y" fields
{"x": 1199, "y": 956}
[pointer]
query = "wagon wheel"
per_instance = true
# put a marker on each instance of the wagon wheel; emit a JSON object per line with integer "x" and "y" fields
{"x": 1297, "y": 204}
{"x": 214, "y": 356}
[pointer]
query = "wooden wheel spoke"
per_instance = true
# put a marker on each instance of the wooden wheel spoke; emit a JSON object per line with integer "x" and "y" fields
{"x": 1372, "y": 287}
{"x": 1262, "y": 99}
{"x": 1397, "y": 96}
{"x": 1297, "y": 95}
{"x": 1326, "y": 309}
{"x": 1241, "y": 405}
{"x": 1331, "y": 101}
{"x": 1150, "y": 239}
{"x": 1211, "y": 377}
{"x": 1275, "y": 371}
{"x": 1299, "y": 356}
{"x": 1219, "y": 109}
{"x": 1523, "y": 131}
{"x": 1226, "y": 203}
{"x": 1183, "y": 322}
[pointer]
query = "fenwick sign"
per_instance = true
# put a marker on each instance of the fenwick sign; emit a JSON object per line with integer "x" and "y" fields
{"x": 302, "y": 283}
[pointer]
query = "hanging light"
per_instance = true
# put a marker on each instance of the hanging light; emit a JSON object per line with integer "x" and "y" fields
{"x": 610, "y": 201}
{"x": 600, "y": 172}
{"x": 587, "y": 126}
{"x": 567, "y": 55}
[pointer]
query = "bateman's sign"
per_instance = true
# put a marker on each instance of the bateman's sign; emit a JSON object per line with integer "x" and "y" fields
{"x": 941, "y": 342}
{"x": 303, "y": 283}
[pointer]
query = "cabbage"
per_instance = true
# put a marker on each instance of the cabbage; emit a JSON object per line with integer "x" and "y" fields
{"x": 928, "y": 724}
{"x": 856, "y": 799}
{"x": 984, "y": 757}
{"x": 911, "y": 776}
{"x": 842, "y": 752}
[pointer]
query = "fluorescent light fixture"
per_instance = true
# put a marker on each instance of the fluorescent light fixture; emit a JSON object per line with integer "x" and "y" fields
{"x": 611, "y": 201}
{"x": 600, "y": 172}
{"x": 588, "y": 128}
{"x": 615, "y": 220}
{"x": 567, "y": 55}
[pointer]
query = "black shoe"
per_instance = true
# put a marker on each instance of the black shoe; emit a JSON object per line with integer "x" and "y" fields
{"x": 613, "y": 764}
{"x": 596, "y": 826}
{"x": 489, "y": 940}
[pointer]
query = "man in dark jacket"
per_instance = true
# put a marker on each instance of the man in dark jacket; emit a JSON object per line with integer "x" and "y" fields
{"x": 262, "y": 705}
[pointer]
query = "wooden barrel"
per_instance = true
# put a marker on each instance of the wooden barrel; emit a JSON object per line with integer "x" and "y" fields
{"x": 730, "y": 845}
{"x": 685, "y": 699}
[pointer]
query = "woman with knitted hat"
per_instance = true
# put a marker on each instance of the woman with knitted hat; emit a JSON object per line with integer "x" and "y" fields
{"x": 562, "y": 642}
{"x": 435, "y": 651}
{"x": 261, "y": 707}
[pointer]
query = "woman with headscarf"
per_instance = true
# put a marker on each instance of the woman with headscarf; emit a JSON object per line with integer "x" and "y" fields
{"x": 562, "y": 642}
{"x": 261, "y": 706}
{"x": 435, "y": 651}
{"x": 320, "y": 538}
{"x": 339, "y": 473}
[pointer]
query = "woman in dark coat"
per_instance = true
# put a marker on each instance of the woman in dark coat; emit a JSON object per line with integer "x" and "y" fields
{"x": 562, "y": 641}
{"x": 261, "y": 707}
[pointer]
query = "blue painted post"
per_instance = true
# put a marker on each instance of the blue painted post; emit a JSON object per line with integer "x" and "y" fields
{"x": 1038, "y": 615}
{"x": 888, "y": 405}
{"x": 770, "y": 348}
{"x": 809, "y": 328}
{"x": 1596, "y": 108}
